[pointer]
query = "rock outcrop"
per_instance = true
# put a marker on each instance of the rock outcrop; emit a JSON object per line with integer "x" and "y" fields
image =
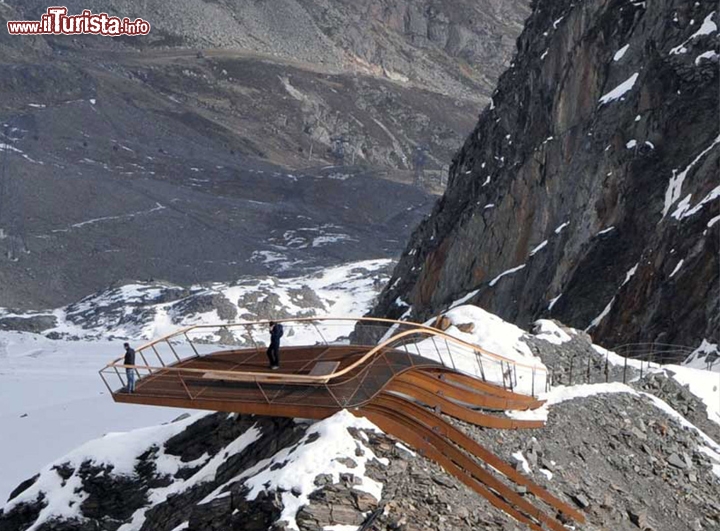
{"x": 139, "y": 309}
{"x": 588, "y": 190}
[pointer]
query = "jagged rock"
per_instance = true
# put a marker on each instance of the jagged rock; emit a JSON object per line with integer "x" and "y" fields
{"x": 322, "y": 480}
{"x": 364, "y": 501}
{"x": 206, "y": 304}
{"x": 442, "y": 323}
{"x": 443, "y": 480}
{"x": 23, "y": 486}
{"x": 540, "y": 208}
{"x": 36, "y": 324}
{"x": 181, "y": 417}
{"x": 639, "y": 518}
{"x": 581, "y": 501}
{"x": 678, "y": 462}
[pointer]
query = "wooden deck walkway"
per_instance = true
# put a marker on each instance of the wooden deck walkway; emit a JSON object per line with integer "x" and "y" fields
{"x": 207, "y": 382}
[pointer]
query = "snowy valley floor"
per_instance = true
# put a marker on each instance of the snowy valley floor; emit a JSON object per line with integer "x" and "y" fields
{"x": 52, "y": 400}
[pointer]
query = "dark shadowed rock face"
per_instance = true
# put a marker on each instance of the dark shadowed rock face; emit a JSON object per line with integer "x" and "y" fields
{"x": 598, "y": 204}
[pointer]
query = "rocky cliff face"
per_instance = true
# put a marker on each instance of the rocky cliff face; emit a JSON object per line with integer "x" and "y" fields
{"x": 588, "y": 190}
{"x": 306, "y": 82}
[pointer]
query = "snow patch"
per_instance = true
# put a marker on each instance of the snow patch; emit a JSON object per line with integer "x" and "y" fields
{"x": 299, "y": 469}
{"x": 464, "y": 299}
{"x": 549, "y": 331}
{"x": 700, "y": 357}
{"x": 538, "y": 248}
{"x": 631, "y": 272}
{"x": 702, "y": 383}
{"x": 677, "y": 267}
{"x": 674, "y": 189}
{"x": 121, "y": 450}
{"x": 707, "y": 27}
{"x": 619, "y": 91}
{"x": 620, "y": 53}
{"x": 505, "y": 273}
{"x": 710, "y": 55}
{"x": 497, "y": 337}
{"x": 523, "y": 462}
{"x": 562, "y": 227}
{"x": 683, "y": 209}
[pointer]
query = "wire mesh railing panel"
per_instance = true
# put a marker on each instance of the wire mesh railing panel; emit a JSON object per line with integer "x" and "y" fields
{"x": 621, "y": 364}
{"x": 521, "y": 378}
{"x": 238, "y": 353}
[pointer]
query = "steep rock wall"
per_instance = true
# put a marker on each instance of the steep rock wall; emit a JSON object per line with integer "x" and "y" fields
{"x": 588, "y": 191}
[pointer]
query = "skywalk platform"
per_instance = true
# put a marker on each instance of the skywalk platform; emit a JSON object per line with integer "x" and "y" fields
{"x": 402, "y": 376}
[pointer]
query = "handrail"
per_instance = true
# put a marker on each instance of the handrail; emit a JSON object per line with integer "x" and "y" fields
{"x": 416, "y": 326}
{"x": 429, "y": 331}
{"x": 418, "y": 329}
{"x": 274, "y": 376}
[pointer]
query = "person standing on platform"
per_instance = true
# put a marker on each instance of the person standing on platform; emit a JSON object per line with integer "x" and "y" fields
{"x": 129, "y": 360}
{"x": 273, "y": 351}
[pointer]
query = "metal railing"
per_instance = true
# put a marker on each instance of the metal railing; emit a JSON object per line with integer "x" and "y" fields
{"x": 430, "y": 345}
{"x": 637, "y": 360}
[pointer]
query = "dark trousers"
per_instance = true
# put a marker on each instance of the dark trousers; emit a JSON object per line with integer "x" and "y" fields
{"x": 273, "y": 353}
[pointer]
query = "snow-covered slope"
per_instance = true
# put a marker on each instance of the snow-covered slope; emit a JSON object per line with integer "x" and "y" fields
{"x": 706, "y": 356}
{"x": 52, "y": 400}
{"x": 323, "y": 448}
{"x": 502, "y": 343}
{"x": 146, "y": 310}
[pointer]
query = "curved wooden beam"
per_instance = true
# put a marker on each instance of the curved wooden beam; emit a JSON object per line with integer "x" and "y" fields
{"x": 481, "y": 396}
{"x": 441, "y": 427}
{"x": 464, "y": 380}
{"x": 428, "y": 444}
{"x": 441, "y": 404}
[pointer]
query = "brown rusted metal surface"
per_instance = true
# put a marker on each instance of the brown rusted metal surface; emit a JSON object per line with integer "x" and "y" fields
{"x": 231, "y": 406}
{"x": 418, "y": 432}
{"x": 463, "y": 380}
{"x": 451, "y": 433}
{"x": 412, "y": 436}
{"x": 429, "y": 381}
{"x": 453, "y": 409}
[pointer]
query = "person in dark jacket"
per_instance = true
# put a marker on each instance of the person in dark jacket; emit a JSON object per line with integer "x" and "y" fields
{"x": 273, "y": 351}
{"x": 129, "y": 360}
